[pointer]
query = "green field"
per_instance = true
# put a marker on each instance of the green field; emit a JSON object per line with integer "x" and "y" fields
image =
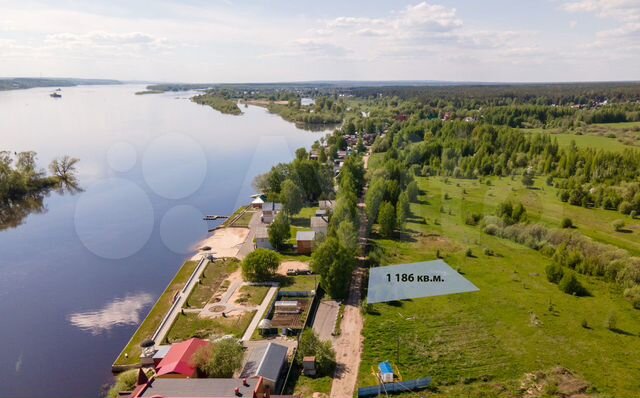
{"x": 211, "y": 280}
{"x": 159, "y": 310}
{"x": 300, "y": 283}
{"x": 482, "y": 344}
{"x": 591, "y": 141}
{"x": 610, "y": 136}
{"x": 252, "y": 295}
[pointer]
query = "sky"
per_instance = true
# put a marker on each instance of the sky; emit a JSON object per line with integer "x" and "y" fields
{"x": 301, "y": 40}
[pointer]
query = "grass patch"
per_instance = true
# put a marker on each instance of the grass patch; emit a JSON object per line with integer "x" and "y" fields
{"x": 518, "y": 322}
{"x": 191, "y": 325}
{"x": 306, "y": 386}
{"x": 252, "y": 295}
{"x": 210, "y": 281}
{"x": 244, "y": 220}
{"x": 157, "y": 313}
{"x": 299, "y": 283}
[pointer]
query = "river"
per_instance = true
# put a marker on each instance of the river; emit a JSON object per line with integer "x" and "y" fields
{"x": 77, "y": 278}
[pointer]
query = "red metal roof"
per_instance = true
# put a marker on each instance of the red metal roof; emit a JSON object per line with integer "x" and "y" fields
{"x": 178, "y": 359}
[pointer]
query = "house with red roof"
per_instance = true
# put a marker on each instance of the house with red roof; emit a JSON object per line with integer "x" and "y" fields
{"x": 178, "y": 363}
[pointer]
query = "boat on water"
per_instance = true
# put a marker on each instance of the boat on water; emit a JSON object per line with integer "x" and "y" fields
{"x": 55, "y": 95}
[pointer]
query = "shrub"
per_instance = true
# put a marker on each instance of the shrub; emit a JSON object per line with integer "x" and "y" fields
{"x": 488, "y": 252}
{"x": 618, "y": 225}
{"x": 566, "y": 223}
{"x": 473, "y": 219}
{"x": 554, "y": 272}
{"x": 571, "y": 285}
{"x": 125, "y": 381}
{"x": 612, "y": 321}
{"x": 468, "y": 253}
{"x": 311, "y": 345}
{"x": 633, "y": 214}
{"x": 585, "y": 324}
{"x": 491, "y": 229}
{"x": 220, "y": 360}
{"x": 633, "y": 295}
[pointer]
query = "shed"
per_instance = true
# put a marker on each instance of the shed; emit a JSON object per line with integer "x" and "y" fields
{"x": 386, "y": 372}
{"x": 269, "y": 211}
{"x": 305, "y": 241}
{"x": 309, "y": 366}
{"x": 325, "y": 204}
{"x": 262, "y": 238}
{"x": 257, "y": 203}
{"x": 178, "y": 361}
{"x": 319, "y": 225}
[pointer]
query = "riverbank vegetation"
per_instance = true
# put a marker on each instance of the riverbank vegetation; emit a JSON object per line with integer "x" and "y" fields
{"x": 23, "y": 185}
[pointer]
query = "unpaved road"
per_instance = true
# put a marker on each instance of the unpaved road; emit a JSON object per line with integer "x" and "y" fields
{"x": 348, "y": 345}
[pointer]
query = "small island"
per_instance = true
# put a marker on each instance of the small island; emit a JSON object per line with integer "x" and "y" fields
{"x": 218, "y": 102}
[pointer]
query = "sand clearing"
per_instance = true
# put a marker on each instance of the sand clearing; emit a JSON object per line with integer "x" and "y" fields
{"x": 225, "y": 242}
{"x": 287, "y": 265}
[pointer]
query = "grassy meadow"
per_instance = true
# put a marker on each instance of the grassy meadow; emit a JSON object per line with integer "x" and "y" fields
{"x": 483, "y": 343}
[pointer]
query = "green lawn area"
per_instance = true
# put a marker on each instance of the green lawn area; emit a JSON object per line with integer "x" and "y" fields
{"x": 300, "y": 283}
{"x": 159, "y": 310}
{"x": 211, "y": 280}
{"x": 252, "y": 295}
{"x": 244, "y": 219}
{"x": 191, "y": 325}
{"x": 591, "y": 141}
{"x": 518, "y": 322}
{"x": 306, "y": 386}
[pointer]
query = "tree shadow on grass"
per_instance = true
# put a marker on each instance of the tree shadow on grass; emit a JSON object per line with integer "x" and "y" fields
{"x": 622, "y": 332}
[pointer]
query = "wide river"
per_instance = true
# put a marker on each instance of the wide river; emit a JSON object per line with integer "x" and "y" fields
{"x": 77, "y": 278}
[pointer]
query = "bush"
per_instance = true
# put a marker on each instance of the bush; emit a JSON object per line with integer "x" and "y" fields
{"x": 585, "y": 324}
{"x": 612, "y": 321}
{"x": 491, "y": 229}
{"x": 260, "y": 265}
{"x": 488, "y": 252}
{"x": 219, "y": 360}
{"x": 633, "y": 295}
{"x": 571, "y": 285}
{"x": 554, "y": 272}
{"x": 566, "y": 223}
{"x": 468, "y": 253}
{"x": 473, "y": 219}
{"x": 125, "y": 381}
{"x": 618, "y": 225}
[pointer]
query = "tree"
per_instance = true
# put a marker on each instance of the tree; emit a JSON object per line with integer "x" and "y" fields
{"x": 260, "y": 265}
{"x": 413, "y": 191}
{"x": 301, "y": 153}
{"x": 292, "y": 197}
{"x": 335, "y": 264}
{"x": 402, "y": 210}
{"x": 374, "y": 198}
{"x": 387, "y": 219}
{"x": 311, "y": 345}
{"x": 279, "y": 231}
{"x": 64, "y": 168}
{"x": 527, "y": 178}
{"x": 219, "y": 360}
{"x": 347, "y": 235}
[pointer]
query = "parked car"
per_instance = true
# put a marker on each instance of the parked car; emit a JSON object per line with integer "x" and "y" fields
{"x": 292, "y": 272}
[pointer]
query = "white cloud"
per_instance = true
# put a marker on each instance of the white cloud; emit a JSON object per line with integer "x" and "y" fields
{"x": 137, "y": 41}
{"x": 626, "y": 10}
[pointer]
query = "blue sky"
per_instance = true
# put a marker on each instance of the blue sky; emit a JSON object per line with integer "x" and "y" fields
{"x": 256, "y": 41}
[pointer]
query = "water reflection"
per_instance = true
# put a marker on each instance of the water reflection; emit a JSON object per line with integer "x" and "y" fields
{"x": 120, "y": 312}
{"x": 14, "y": 212}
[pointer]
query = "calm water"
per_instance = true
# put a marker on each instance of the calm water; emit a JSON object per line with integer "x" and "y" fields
{"x": 77, "y": 279}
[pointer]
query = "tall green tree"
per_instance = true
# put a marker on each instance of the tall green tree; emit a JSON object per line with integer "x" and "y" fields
{"x": 387, "y": 219}
{"x": 219, "y": 360}
{"x": 292, "y": 197}
{"x": 335, "y": 264}
{"x": 280, "y": 231}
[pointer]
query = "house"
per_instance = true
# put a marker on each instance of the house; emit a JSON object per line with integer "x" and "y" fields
{"x": 342, "y": 154}
{"x": 320, "y": 225}
{"x": 268, "y": 363}
{"x": 269, "y": 211}
{"x": 205, "y": 388}
{"x": 326, "y": 204}
{"x": 262, "y": 238}
{"x": 305, "y": 241}
{"x": 178, "y": 362}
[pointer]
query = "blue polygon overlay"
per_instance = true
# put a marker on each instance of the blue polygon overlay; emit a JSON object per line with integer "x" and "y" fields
{"x": 425, "y": 279}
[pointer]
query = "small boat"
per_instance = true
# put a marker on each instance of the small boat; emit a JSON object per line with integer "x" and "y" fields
{"x": 55, "y": 95}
